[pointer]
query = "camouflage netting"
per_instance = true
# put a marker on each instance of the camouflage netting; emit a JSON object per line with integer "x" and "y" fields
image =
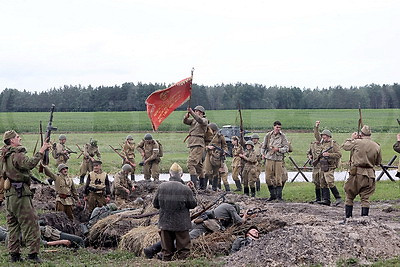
{"x": 139, "y": 238}
{"x": 108, "y": 231}
{"x": 60, "y": 221}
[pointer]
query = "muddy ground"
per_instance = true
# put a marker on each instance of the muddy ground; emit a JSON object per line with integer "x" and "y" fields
{"x": 292, "y": 234}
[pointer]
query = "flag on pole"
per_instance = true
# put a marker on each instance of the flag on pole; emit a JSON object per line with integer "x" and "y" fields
{"x": 161, "y": 103}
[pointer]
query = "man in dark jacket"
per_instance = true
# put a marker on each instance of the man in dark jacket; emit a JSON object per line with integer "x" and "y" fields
{"x": 251, "y": 234}
{"x": 174, "y": 200}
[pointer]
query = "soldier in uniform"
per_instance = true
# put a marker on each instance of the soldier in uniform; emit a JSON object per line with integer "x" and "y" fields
{"x": 60, "y": 152}
{"x": 129, "y": 150}
{"x": 365, "y": 154}
{"x": 65, "y": 190}
{"x": 149, "y": 150}
{"x": 1, "y": 177}
{"x": 223, "y": 174}
{"x": 236, "y": 163}
{"x": 122, "y": 185}
{"x": 275, "y": 145}
{"x": 250, "y": 236}
{"x": 313, "y": 152}
{"x": 97, "y": 188}
{"x": 20, "y": 214}
{"x": 174, "y": 200}
{"x": 249, "y": 175}
{"x": 396, "y": 147}
{"x": 89, "y": 152}
{"x": 215, "y": 155}
{"x": 257, "y": 148}
{"x": 198, "y": 127}
{"x": 328, "y": 163}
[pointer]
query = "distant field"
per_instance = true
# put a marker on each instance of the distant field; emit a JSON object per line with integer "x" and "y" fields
{"x": 337, "y": 120}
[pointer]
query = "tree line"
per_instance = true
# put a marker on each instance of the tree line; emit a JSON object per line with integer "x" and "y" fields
{"x": 131, "y": 97}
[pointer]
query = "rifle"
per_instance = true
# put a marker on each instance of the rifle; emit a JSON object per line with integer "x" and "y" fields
{"x": 70, "y": 151}
{"x": 256, "y": 210}
{"x": 204, "y": 209}
{"x": 398, "y": 121}
{"x": 122, "y": 156}
{"x": 315, "y": 162}
{"x": 221, "y": 150}
{"x": 241, "y": 126}
{"x": 80, "y": 149}
{"x": 49, "y": 129}
{"x": 360, "y": 122}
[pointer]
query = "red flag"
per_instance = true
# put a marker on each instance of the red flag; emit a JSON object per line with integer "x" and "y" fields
{"x": 161, "y": 103}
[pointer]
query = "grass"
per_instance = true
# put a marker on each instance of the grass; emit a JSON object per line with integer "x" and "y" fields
{"x": 337, "y": 120}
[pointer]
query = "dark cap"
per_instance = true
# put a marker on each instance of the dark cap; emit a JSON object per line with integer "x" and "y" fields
{"x": 97, "y": 162}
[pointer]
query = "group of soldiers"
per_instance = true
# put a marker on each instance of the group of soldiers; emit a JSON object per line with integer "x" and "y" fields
{"x": 206, "y": 165}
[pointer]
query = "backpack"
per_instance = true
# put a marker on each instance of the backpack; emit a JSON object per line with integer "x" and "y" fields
{"x": 160, "y": 149}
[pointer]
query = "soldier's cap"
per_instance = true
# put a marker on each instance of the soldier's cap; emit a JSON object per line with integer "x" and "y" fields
{"x": 249, "y": 142}
{"x": 62, "y": 166}
{"x": 97, "y": 162}
{"x": 129, "y": 137}
{"x": 127, "y": 168}
{"x": 112, "y": 206}
{"x": 93, "y": 142}
{"x": 213, "y": 126}
{"x": 176, "y": 168}
{"x": 200, "y": 108}
{"x": 62, "y": 137}
{"x": 148, "y": 137}
{"x": 366, "y": 130}
{"x": 9, "y": 135}
{"x": 326, "y": 132}
{"x": 251, "y": 228}
{"x": 255, "y": 136}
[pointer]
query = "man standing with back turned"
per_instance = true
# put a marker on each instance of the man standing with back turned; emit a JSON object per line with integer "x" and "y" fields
{"x": 21, "y": 216}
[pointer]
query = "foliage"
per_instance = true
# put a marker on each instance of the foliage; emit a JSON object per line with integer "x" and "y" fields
{"x": 131, "y": 97}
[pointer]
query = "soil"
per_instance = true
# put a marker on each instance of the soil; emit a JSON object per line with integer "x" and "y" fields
{"x": 292, "y": 234}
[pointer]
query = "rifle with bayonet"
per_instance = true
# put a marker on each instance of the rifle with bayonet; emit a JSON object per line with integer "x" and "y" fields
{"x": 204, "y": 209}
{"x": 123, "y": 157}
{"x": 49, "y": 129}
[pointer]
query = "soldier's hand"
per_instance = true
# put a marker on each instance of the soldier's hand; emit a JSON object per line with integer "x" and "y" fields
{"x": 354, "y": 135}
{"x": 398, "y": 137}
{"x": 325, "y": 154}
{"x": 65, "y": 242}
{"x": 44, "y": 147}
{"x": 107, "y": 199}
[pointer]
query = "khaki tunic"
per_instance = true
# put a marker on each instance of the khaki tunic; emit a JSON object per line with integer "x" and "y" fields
{"x": 365, "y": 155}
{"x": 61, "y": 155}
{"x": 129, "y": 152}
{"x": 249, "y": 176}
{"x": 97, "y": 187}
{"x": 236, "y": 162}
{"x": 258, "y": 150}
{"x": 89, "y": 151}
{"x": 213, "y": 160}
{"x": 315, "y": 150}
{"x": 196, "y": 143}
{"x": 120, "y": 184}
{"x": 20, "y": 214}
{"x": 151, "y": 167}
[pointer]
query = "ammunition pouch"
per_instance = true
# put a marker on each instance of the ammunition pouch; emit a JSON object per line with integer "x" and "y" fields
{"x": 18, "y": 188}
{"x": 96, "y": 190}
{"x": 324, "y": 164}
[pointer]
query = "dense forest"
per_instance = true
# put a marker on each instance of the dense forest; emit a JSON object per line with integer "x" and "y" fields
{"x": 131, "y": 97}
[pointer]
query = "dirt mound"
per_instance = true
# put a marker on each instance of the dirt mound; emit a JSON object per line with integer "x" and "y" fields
{"x": 44, "y": 197}
{"x": 60, "y": 221}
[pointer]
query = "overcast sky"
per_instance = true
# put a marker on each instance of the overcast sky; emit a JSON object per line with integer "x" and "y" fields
{"x": 308, "y": 44}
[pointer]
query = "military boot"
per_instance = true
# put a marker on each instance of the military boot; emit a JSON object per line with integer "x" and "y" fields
{"x": 227, "y": 187}
{"x": 349, "y": 211}
{"x": 246, "y": 190}
{"x": 279, "y": 193}
{"x": 215, "y": 183}
{"x": 317, "y": 196}
{"x": 194, "y": 180}
{"x": 82, "y": 179}
{"x": 336, "y": 194}
{"x": 16, "y": 257}
{"x": 206, "y": 180}
{"x": 50, "y": 181}
{"x": 238, "y": 186}
{"x": 149, "y": 252}
{"x": 364, "y": 211}
{"x": 132, "y": 177}
{"x": 258, "y": 186}
{"x": 326, "y": 197}
{"x": 201, "y": 183}
{"x": 253, "y": 191}
{"x": 34, "y": 257}
{"x": 272, "y": 193}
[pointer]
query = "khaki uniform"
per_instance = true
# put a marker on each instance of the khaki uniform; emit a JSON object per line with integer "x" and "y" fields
{"x": 365, "y": 155}
{"x": 223, "y": 173}
{"x": 196, "y": 144}
{"x": 21, "y": 216}
{"x": 89, "y": 151}
{"x": 66, "y": 192}
{"x": 249, "y": 175}
{"x": 213, "y": 160}
{"x": 97, "y": 187}
{"x": 129, "y": 152}
{"x": 60, "y": 154}
{"x": 396, "y": 147}
{"x": 120, "y": 185}
{"x": 258, "y": 151}
{"x": 236, "y": 162}
{"x": 274, "y": 160}
{"x": 315, "y": 150}
{"x": 151, "y": 167}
